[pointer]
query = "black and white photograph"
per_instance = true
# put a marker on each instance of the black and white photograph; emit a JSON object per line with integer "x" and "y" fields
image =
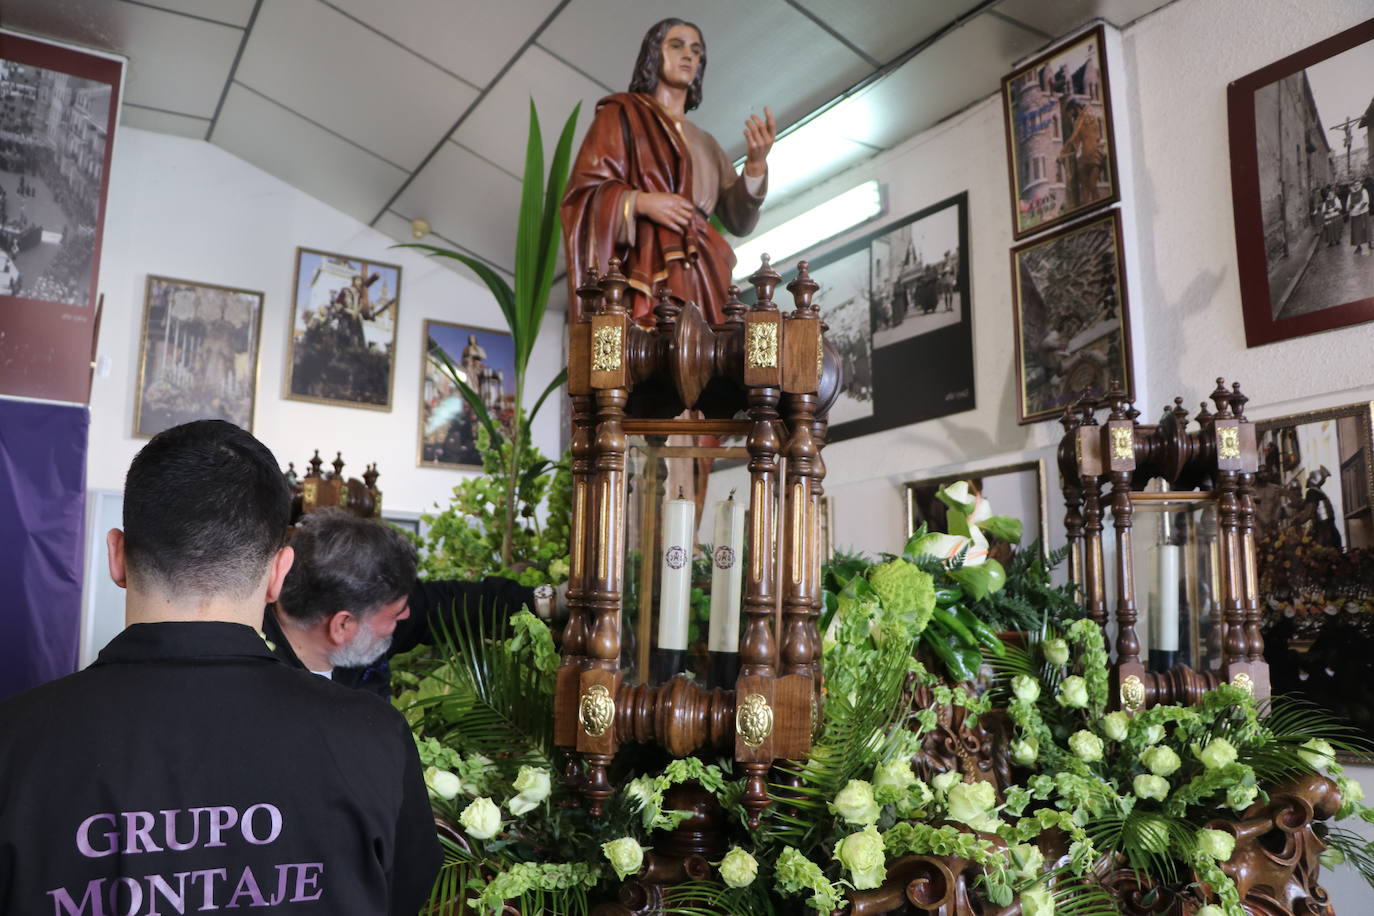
{"x": 1303, "y": 183}
{"x": 53, "y": 129}
{"x": 342, "y": 346}
{"x": 915, "y": 278}
{"x": 198, "y": 355}
{"x": 1069, "y": 300}
{"x": 899, "y": 314}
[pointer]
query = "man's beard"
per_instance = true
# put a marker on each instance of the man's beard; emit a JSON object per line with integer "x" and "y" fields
{"x": 365, "y": 649}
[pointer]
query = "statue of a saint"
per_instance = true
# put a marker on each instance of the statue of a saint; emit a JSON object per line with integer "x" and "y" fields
{"x": 647, "y": 181}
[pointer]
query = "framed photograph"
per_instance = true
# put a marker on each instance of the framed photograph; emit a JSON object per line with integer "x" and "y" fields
{"x": 58, "y": 110}
{"x": 1069, "y": 303}
{"x": 1018, "y": 490}
{"x": 342, "y": 338}
{"x": 1314, "y": 533}
{"x": 1302, "y": 183}
{"x": 1060, "y": 147}
{"x": 900, "y": 316}
{"x": 448, "y": 425}
{"x": 197, "y": 355}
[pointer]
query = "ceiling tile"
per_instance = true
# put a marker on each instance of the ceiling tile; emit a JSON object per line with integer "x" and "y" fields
{"x": 397, "y": 226}
{"x": 886, "y": 28}
{"x": 467, "y": 200}
{"x": 799, "y": 69}
{"x": 164, "y": 122}
{"x": 301, "y": 154}
{"x": 327, "y": 67}
{"x": 473, "y": 40}
{"x": 1065, "y": 16}
{"x": 498, "y": 128}
{"x": 176, "y": 63}
{"x": 233, "y": 12}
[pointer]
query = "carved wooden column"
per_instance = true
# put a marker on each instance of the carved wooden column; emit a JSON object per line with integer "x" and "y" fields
{"x": 1072, "y": 486}
{"x": 1249, "y": 458}
{"x": 1118, "y": 445}
{"x": 596, "y": 740}
{"x": 1089, "y": 452}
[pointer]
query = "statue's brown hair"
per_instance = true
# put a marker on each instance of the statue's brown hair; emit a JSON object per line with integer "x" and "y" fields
{"x": 649, "y": 65}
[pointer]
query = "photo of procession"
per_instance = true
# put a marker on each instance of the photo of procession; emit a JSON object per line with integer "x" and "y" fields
{"x": 1313, "y": 132}
{"x": 343, "y": 330}
{"x": 915, "y": 278}
{"x": 53, "y": 131}
{"x": 448, "y": 425}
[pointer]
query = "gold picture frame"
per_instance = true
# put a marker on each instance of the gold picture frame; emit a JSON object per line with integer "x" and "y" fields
{"x": 197, "y": 355}
{"x": 341, "y": 331}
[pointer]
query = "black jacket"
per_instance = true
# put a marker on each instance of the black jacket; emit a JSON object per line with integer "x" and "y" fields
{"x": 433, "y": 606}
{"x": 189, "y": 769}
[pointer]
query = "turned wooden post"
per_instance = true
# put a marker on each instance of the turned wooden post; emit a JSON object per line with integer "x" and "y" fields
{"x": 1119, "y": 448}
{"x": 1073, "y": 492}
{"x": 1090, "y": 471}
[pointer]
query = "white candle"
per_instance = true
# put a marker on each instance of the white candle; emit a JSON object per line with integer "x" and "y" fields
{"x": 1167, "y": 630}
{"x": 727, "y": 576}
{"x": 675, "y": 575}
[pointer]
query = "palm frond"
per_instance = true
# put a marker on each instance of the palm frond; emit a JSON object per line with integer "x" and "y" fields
{"x": 1149, "y": 841}
{"x": 1358, "y": 851}
{"x": 709, "y": 898}
{"x": 553, "y": 386}
{"x": 500, "y": 289}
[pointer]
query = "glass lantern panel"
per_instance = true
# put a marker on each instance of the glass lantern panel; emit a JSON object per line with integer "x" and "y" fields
{"x": 1176, "y": 565}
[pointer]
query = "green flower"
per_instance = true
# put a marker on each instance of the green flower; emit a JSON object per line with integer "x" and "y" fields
{"x": 1056, "y": 651}
{"x": 1086, "y": 746}
{"x": 1217, "y": 754}
{"x": 855, "y": 804}
{"x": 1116, "y": 725}
{"x": 1025, "y": 750}
{"x": 625, "y": 855}
{"x": 1036, "y": 901}
{"x": 1025, "y": 688}
{"x": 1073, "y": 692}
{"x": 1318, "y": 754}
{"x": 896, "y": 774}
{"x": 558, "y": 569}
{"x": 920, "y": 794}
{"x": 943, "y": 782}
{"x": 1216, "y": 843}
{"x": 1352, "y": 793}
{"x": 1160, "y": 760}
{"x": 532, "y": 786}
{"x": 442, "y": 783}
{"x": 1153, "y": 734}
{"x": 1026, "y": 859}
{"x": 738, "y": 868}
{"x": 481, "y": 819}
{"x": 862, "y": 853}
{"x": 1147, "y": 786}
{"x": 1241, "y": 797}
{"x": 972, "y": 803}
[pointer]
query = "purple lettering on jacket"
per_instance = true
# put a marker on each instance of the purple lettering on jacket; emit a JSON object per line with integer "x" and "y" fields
{"x": 169, "y": 831}
{"x": 247, "y": 887}
{"x": 221, "y": 819}
{"x": 138, "y": 825}
{"x": 135, "y": 897}
{"x": 306, "y": 880}
{"x": 273, "y": 823}
{"x": 208, "y": 886}
{"x": 83, "y": 837}
{"x": 159, "y": 886}
{"x": 64, "y": 905}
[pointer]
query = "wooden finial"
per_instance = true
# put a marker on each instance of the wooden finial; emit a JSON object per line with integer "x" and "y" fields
{"x": 613, "y": 287}
{"x": 765, "y": 280}
{"x": 338, "y": 463}
{"x": 315, "y": 464}
{"x": 590, "y": 290}
{"x": 1238, "y": 401}
{"x": 666, "y": 309}
{"x": 803, "y": 289}
{"x": 1222, "y": 398}
{"x": 734, "y": 309}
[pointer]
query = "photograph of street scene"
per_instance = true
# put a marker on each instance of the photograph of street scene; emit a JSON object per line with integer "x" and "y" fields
{"x": 1313, "y": 134}
{"x": 53, "y": 130}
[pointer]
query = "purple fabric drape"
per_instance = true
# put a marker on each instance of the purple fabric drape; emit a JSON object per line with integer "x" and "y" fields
{"x": 42, "y": 520}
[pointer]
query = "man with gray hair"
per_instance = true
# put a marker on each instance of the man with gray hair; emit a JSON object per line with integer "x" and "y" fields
{"x": 351, "y": 600}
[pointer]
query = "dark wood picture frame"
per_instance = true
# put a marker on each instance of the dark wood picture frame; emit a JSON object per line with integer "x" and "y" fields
{"x": 1038, "y": 101}
{"x": 1289, "y": 242}
{"x": 194, "y": 364}
{"x": 333, "y": 362}
{"x": 922, "y": 491}
{"x": 53, "y": 226}
{"x": 1314, "y": 543}
{"x": 457, "y": 449}
{"x": 1080, "y": 246}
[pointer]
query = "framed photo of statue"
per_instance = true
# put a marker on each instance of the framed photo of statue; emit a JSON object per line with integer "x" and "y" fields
{"x": 1061, "y": 150}
{"x": 448, "y": 425}
{"x": 1314, "y": 542}
{"x": 197, "y": 355}
{"x": 1069, "y": 307}
{"x": 1302, "y": 184}
{"x": 341, "y": 344}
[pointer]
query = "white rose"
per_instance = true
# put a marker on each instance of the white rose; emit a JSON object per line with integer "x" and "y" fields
{"x": 532, "y": 786}
{"x": 442, "y": 783}
{"x": 481, "y": 819}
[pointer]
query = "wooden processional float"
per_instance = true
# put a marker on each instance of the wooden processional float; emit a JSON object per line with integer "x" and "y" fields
{"x": 766, "y": 376}
{"x": 1204, "y": 619}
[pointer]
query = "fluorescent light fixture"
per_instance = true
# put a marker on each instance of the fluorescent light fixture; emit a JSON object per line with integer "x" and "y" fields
{"x": 825, "y": 221}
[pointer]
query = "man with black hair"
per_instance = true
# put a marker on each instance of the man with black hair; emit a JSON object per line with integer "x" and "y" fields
{"x": 188, "y": 769}
{"x": 351, "y": 600}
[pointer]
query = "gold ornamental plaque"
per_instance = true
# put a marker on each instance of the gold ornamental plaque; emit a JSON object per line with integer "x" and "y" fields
{"x": 1228, "y": 443}
{"x": 1132, "y": 694}
{"x": 754, "y": 720}
{"x": 606, "y": 349}
{"x": 597, "y": 710}
{"x": 1243, "y": 681}
{"x": 761, "y": 345}
{"x": 1123, "y": 442}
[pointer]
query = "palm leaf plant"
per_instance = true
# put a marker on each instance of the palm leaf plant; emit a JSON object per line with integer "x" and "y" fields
{"x": 537, "y": 238}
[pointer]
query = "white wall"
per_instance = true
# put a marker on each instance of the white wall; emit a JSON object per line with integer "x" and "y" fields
{"x": 186, "y": 209}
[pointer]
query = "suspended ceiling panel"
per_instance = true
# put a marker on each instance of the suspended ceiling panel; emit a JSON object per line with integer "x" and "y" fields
{"x": 1064, "y": 16}
{"x": 884, "y": 29}
{"x": 468, "y": 200}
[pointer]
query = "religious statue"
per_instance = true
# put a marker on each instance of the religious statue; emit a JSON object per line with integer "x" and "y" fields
{"x": 647, "y": 182}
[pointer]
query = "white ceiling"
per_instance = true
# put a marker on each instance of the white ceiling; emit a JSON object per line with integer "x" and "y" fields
{"x": 392, "y": 110}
